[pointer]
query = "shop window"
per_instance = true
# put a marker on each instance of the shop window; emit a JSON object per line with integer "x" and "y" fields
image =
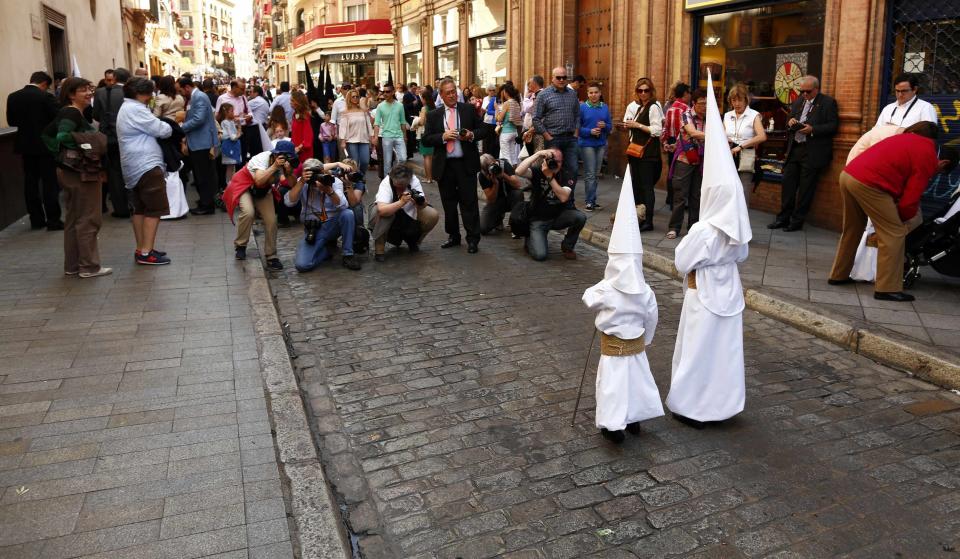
{"x": 487, "y": 16}
{"x": 448, "y": 61}
{"x": 446, "y": 27}
{"x": 357, "y": 12}
{"x": 412, "y": 63}
{"x": 489, "y": 59}
{"x": 301, "y": 24}
{"x": 184, "y": 5}
{"x": 769, "y": 49}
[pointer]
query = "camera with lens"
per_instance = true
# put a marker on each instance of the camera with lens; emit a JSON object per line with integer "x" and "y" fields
{"x": 495, "y": 169}
{"x": 795, "y": 128}
{"x": 327, "y": 180}
{"x": 463, "y": 132}
{"x": 311, "y": 227}
{"x": 552, "y": 164}
{"x": 417, "y": 197}
{"x": 355, "y": 177}
{"x": 337, "y": 172}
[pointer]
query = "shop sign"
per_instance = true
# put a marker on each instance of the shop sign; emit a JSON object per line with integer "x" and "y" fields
{"x": 353, "y": 56}
{"x": 699, "y": 4}
{"x": 279, "y": 57}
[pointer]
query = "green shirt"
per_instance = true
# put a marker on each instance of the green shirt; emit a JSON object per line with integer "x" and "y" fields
{"x": 390, "y": 118}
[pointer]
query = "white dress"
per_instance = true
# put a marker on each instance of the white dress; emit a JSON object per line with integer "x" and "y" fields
{"x": 626, "y": 391}
{"x": 707, "y": 383}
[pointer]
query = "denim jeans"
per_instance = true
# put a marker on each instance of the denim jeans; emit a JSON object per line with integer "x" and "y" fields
{"x": 570, "y": 219}
{"x": 571, "y": 156}
{"x": 394, "y": 151}
{"x": 592, "y": 158}
{"x": 310, "y": 256}
{"x": 360, "y": 152}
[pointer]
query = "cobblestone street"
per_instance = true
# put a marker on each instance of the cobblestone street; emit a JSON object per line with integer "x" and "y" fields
{"x": 441, "y": 387}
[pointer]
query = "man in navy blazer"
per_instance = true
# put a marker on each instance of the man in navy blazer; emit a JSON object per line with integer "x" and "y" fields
{"x": 200, "y": 128}
{"x": 456, "y": 162}
{"x": 31, "y": 109}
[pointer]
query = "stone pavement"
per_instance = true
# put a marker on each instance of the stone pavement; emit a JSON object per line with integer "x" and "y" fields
{"x": 133, "y": 421}
{"x": 797, "y": 264}
{"x": 441, "y": 387}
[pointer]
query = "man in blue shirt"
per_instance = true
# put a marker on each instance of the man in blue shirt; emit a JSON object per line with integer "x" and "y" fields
{"x": 325, "y": 215}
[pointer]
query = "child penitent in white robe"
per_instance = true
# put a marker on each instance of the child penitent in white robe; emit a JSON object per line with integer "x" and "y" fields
{"x": 707, "y": 383}
{"x": 627, "y": 315}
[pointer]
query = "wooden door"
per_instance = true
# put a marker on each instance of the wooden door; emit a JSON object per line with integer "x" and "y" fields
{"x": 594, "y": 44}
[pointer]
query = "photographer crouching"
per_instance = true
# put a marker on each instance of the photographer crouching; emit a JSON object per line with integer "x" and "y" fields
{"x": 400, "y": 213}
{"x": 325, "y": 215}
{"x": 551, "y": 204}
{"x": 502, "y": 189}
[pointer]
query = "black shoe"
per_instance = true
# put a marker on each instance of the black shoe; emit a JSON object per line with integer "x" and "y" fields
{"x": 414, "y": 247}
{"x": 451, "y": 242}
{"x": 840, "y": 281}
{"x": 793, "y": 227}
{"x": 633, "y": 428}
{"x": 36, "y": 226}
{"x": 689, "y": 422}
{"x": 646, "y": 227}
{"x": 274, "y": 264}
{"x": 616, "y": 437}
{"x": 898, "y": 296}
{"x": 241, "y": 253}
{"x": 120, "y": 215}
{"x": 350, "y": 262}
{"x": 200, "y": 210}
{"x": 472, "y": 248}
{"x": 380, "y": 257}
{"x": 55, "y": 226}
{"x": 778, "y": 224}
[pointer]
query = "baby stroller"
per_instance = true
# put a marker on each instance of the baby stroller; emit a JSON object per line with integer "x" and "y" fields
{"x": 936, "y": 243}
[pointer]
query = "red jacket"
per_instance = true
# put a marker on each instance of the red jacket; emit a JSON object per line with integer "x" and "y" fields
{"x": 901, "y": 165}
{"x": 302, "y": 133}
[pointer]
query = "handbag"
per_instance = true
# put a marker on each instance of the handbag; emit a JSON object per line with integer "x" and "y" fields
{"x": 747, "y": 160}
{"x": 87, "y": 158}
{"x": 636, "y": 150}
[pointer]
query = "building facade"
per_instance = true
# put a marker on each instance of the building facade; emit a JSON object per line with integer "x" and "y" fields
{"x": 855, "y": 47}
{"x": 352, "y": 39}
{"x": 55, "y": 35}
{"x": 207, "y": 36}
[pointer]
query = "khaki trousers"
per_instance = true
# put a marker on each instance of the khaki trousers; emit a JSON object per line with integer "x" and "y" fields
{"x": 81, "y": 223}
{"x": 247, "y": 209}
{"x": 859, "y": 202}
{"x": 427, "y": 216}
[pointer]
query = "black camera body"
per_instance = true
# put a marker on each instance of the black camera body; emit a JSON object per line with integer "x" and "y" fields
{"x": 311, "y": 227}
{"x": 355, "y": 177}
{"x": 795, "y": 128}
{"x": 552, "y": 164}
{"x": 327, "y": 180}
{"x": 337, "y": 172}
{"x": 463, "y": 132}
{"x": 495, "y": 169}
{"x": 417, "y": 197}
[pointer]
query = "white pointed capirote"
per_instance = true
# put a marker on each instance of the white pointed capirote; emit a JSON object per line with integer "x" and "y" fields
{"x": 707, "y": 383}
{"x": 721, "y": 194}
{"x": 625, "y": 251}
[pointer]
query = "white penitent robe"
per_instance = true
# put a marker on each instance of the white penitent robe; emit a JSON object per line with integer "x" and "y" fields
{"x": 707, "y": 383}
{"x": 626, "y": 391}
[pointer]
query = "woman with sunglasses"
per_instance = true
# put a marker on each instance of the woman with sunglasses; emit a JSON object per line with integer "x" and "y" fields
{"x": 644, "y": 120}
{"x": 356, "y": 130}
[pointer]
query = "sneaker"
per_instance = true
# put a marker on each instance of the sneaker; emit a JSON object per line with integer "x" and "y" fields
{"x": 569, "y": 254}
{"x": 597, "y": 206}
{"x": 151, "y": 259}
{"x": 241, "y": 253}
{"x": 101, "y": 272}
{"x": 589, "y": 208}
{"x": 73, "y": 273}
{"x": 274, "y": 264}
{"x": 351, "y": 263}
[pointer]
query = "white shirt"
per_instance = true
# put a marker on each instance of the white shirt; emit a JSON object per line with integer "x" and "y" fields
{"x": 137, "y": 133}
{"x": 656, "y": 116}
{"x": 385, "y": 195}
{"x": 260, "y": 110}
{"x": 740, "y": 129}
{"x": 339, "y": 105}
{"x": 259, "y": 162}
{"x": 895, "y": 113}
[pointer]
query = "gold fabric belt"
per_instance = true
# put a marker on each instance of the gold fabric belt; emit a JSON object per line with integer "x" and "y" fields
{"x": 612, "y": 345}
{"x": 692, "y": 280}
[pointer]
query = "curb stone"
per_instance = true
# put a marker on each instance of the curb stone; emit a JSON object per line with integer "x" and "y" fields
{"x": 873, "y": 342}
{"x": 320, "y": 531}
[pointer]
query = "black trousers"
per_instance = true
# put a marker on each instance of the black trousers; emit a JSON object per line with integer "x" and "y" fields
{"x": 798, "y": 187}
{"x": 251, "y": 144}
{"x": 458, "y": 187}
{"x": 41, "y": 190}
{"x": 115, "y": 186}
{"x": 644, "y": 174}
{"x": 204, "y": 176}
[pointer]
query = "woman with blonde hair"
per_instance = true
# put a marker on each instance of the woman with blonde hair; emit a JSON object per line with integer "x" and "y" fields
{"x": 356, "y": 130}
{"x": 644, "y": 120}
{"x": 745, "y": 132}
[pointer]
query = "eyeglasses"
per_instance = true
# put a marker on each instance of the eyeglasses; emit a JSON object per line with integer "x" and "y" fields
{"x": 560, "y": 78}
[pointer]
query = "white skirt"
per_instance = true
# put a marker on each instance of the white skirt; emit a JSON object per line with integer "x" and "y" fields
{"x": 626, "y": 391}
{"x": 707, "y": 383}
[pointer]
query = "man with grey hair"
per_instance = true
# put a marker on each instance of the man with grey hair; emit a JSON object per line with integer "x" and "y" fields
{"x": 812, "y": 124}
{"x": 400, "y": 213}
{"x": 106, "y": 104}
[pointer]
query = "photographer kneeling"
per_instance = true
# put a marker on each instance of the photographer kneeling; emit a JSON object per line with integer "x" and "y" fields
{"x": 551, "y": 204}
{"x": 325, "y": 215}
{"x": 400, "y": 190}
{"x": 501, "y": 189}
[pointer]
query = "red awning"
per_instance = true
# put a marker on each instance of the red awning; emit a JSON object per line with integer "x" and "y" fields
{"x": 350, "y": 28}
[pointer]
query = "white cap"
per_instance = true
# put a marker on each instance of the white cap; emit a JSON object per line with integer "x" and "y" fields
{"x": 722, "y": 203}
{"x": 625, "y": 261}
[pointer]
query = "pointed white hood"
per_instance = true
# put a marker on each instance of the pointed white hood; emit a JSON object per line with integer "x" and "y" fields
{"x": 721, "y": 195}
{"x": 625, "y": 261}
